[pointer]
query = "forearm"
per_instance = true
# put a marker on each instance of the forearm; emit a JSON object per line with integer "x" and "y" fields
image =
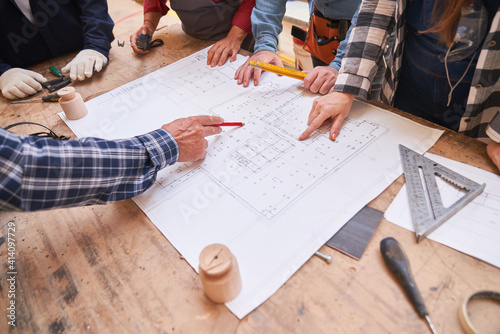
{"x": 365, "y": 46}
{"x": 337, "y": 62}
{"x": 156, "y": 6}
{"x": 266, "y": 24}
{"x": 4, "y": 67}
{"x": 237, "y": 34}
{"x": 39, "y": 173}
{"x": 151, "y": 20}
{"x": 97, "y": 25}
{"x": 242, "y": 17}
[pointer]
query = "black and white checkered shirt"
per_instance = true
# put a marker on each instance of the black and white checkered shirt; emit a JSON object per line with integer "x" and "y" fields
{"x": 41, "y": 173}
{"x": 376, "y": 21}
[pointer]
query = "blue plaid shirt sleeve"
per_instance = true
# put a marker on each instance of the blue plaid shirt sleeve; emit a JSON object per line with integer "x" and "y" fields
{"x": 40, "y": 173}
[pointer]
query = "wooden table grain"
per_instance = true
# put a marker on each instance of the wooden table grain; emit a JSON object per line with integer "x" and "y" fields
{"x": 108, "y": 269}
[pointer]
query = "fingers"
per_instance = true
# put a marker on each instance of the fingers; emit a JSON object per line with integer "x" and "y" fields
{"x": 210, "y": 55}
{"x": 190, "y": 133}
{"x": 493, "y": 150}
{"x": 28, "y": 88}
{"x": 66, "y": 69}
{"x": 9, "y": 94}
{"x": 133, "y": 40}
{"x": 250, "y": 71}
{"x": 207, "y": 122}
{"x": 335, "y": 105}
{"x": 313, "y": 126}
{"x": 245, "y": 73}
{"x": 19, "y": 83}
{"x": 38, "y": 77}
{"x": 14, "y": 93}
{"x": 314, "y": 112}
{"x": 140, "y": 51}
{"x": 321, "y": 79}
{"x": 77, "y": 71}
{"x": 30, "y": 85}
{"x": 88, "y": 68}
{"x": 309, "y": 80}
{"x": 218, "y": 56}
{"x": 233, "y": 57}
{"x": 99, "y": 64}
{"x": 336, "y": 126}
{"x": 225, "y": 54}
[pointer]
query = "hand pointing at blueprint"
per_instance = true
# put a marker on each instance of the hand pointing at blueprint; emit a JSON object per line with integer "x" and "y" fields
{"x": 190, "y": 133}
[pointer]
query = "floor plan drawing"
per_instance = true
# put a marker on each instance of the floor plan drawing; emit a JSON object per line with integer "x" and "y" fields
{"x": 260, "y": 190}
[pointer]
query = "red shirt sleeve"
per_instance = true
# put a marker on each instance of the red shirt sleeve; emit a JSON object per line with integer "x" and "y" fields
{"x": 156, "y": 6}
{"x": 241, "y": 18}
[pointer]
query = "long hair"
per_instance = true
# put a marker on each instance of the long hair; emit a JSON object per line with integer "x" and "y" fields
{"x": 445, "y": 17}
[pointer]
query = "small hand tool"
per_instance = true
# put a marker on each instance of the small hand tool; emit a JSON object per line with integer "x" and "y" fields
{"x": 56, "y": 84}
{"x": 143, "y": 42}
{"x": 278, "y": 70}
{"x": 426, "y": 204}
{"x": 54, "y": 70}
{"x": 395, "y": 258}
{"x": 48, "y": 98}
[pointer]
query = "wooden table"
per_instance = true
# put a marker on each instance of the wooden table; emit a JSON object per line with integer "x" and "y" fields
{"x": 107, "y": 269}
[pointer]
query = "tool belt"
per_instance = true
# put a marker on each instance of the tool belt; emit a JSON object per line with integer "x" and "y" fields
{"x": 324, "y": 36}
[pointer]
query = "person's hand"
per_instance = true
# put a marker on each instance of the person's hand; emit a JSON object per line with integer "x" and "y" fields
{"x": 135, "y": 36}
{"x": 18, "y": 83}
{"x": 227, "y": 47}
{"x": 190, "y": 133}
{"x": 84, "y": 64}
{"x": 245, "y": 72}
{"x": 335, "y": 105}
{"x": 493, "y": 149}
{"x": 151, "y": 20}
{"x": 321, "y": 79}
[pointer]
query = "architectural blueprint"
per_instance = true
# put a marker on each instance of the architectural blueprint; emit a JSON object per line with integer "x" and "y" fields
{"x": 273, "y": 200}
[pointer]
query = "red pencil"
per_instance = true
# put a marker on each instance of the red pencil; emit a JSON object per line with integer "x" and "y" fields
{"x": 229, "y": 124}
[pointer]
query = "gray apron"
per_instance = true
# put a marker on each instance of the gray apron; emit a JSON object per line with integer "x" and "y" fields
{"x": 205, "y": 19}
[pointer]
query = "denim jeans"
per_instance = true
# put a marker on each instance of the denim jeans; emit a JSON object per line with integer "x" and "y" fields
{"x": 423, "y": 86}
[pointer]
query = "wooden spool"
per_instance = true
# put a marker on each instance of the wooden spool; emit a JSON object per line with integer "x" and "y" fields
{"x": 72, "y": 103}
{"x": 219, "y": 273}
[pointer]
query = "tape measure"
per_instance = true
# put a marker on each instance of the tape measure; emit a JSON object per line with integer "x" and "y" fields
{"x": 463, "y": 313}
{"x": 278, "y": 70}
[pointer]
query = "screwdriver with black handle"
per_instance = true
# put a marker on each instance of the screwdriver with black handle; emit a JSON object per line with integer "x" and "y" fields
{"x": 48, "y": 98}
{"x": 395, "y": 258}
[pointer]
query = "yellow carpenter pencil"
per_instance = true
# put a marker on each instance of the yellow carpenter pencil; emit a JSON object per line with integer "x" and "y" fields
{"x": 278, "y": 70}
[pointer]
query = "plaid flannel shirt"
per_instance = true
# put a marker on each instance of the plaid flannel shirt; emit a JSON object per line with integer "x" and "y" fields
{"x": 367, "y": 45}
{"x": 40, "y": 173}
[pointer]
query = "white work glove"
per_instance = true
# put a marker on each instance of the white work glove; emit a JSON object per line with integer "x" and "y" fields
{"x": 84, "y": 63}
{"x": 18, "y": 83}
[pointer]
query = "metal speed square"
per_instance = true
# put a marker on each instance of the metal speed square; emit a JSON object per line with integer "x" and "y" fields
{"x": 426, "y": 204}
